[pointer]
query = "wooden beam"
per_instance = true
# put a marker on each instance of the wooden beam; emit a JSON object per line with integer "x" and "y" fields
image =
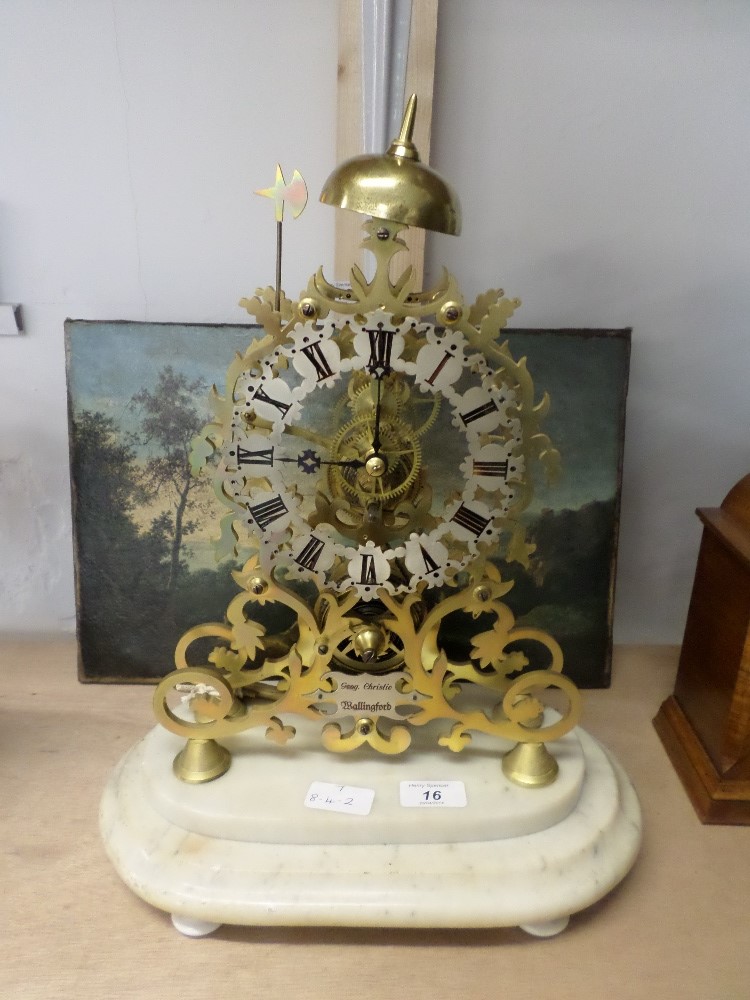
{"x": 420, "y": 76}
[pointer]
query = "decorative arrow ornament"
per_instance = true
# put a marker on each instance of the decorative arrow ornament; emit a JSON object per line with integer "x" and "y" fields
{"x": 295, "y": 196}
{"x": 281, "y": 193}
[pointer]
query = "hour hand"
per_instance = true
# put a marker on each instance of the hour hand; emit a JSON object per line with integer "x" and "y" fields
{"x": 348, "y": 463}
{"x": 309, "y": 461}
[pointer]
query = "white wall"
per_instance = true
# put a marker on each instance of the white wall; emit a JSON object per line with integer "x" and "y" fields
{"x": 600, "y": 148}
{"x": 132, "y": 135}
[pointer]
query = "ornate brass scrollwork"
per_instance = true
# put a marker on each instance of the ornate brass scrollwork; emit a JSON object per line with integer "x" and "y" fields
{"x": 243, "y": 686}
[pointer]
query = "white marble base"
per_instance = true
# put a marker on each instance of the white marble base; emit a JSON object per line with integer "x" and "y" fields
{"x": 245, "y": 850}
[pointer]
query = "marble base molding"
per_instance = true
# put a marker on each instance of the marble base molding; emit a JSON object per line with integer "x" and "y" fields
{"x": 245, "y": 850}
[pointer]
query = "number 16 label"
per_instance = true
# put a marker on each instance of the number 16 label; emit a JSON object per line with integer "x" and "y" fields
{"x": 432, "y": 794}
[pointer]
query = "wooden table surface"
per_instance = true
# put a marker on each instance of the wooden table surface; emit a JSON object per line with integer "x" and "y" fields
{"x": 678, "y": 926}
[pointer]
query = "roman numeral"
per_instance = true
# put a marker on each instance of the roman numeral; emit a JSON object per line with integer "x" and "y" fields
{"x": 429, "y": 563}
{"x": 481, "y": 411}
{"x": 247, "y": 457}
{"x": 381, "y": 343}
{"x": 446, "y": 358}
{"x": 367, "y": 574}
{"x": 470, "y": 520}
{"x": 268, "y": 511}
{"x": 314, "y": 354}
{"x": 261, "y": 396}
{"x": 491, "y": 468}
{"x": 309, "y": 556}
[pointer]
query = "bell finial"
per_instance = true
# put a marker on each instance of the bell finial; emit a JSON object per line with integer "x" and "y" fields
{"x": 403, "y": 145}
{"x": 396, "y": 186}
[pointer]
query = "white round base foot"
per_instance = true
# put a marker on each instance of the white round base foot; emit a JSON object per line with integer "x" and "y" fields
{"x": 547, "y": 928}
{"x": 193, "y": 928}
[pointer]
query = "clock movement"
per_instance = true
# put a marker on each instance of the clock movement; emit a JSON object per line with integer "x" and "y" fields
{"x": 324, "y": 754}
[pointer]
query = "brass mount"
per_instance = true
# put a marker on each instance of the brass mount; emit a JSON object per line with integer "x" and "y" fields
{"x": 252, "y": 679}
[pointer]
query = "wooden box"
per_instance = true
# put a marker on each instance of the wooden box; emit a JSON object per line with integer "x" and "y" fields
{"x": 705, "y": 724}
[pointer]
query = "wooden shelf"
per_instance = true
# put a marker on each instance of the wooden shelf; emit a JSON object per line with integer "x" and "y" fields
{"x": 677, "y": 926}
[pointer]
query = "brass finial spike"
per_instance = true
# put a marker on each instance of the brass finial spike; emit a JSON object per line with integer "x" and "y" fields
{"x": 403, "y": 146}
{"x": 407, "y": 125}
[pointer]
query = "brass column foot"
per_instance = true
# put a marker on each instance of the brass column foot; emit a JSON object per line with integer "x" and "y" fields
{"x": 530, "y": 765}
{"x": 201, "y": 760}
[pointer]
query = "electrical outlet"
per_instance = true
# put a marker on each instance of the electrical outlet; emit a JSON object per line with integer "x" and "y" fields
{"x": 11, "y": 321}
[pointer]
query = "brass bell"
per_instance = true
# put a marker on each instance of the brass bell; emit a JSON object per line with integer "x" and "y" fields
{"x": 396, "y": 185}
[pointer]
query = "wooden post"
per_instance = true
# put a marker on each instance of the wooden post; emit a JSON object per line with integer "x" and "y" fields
{"x": 420, "y": 75}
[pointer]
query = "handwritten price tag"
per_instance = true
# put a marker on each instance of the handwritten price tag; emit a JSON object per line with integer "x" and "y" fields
{"x": 340, "y": 798}
{"x": 432, "y": 794}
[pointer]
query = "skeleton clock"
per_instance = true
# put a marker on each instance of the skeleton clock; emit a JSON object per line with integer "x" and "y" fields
{"x": 374, "y": 448}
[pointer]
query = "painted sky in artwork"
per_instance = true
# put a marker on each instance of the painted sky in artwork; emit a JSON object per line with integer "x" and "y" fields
{"x": 110, "y": 362}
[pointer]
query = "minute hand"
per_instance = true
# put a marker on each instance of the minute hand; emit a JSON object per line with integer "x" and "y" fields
{"x": 376, "y": 435}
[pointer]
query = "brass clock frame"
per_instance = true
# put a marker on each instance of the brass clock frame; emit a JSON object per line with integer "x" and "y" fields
{"x": 253, "y": 679}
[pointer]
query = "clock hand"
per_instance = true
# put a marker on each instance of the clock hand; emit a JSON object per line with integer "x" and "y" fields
{"x": 309, "y": 462}
{"x": 376, "y": 435}
{"x": 351, "y": 463}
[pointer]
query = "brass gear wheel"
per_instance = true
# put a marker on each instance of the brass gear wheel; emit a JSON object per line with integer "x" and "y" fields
{"x": 434, "y": 400}
{"x": 409, "y": 397}
{"x": 400, "y": 448}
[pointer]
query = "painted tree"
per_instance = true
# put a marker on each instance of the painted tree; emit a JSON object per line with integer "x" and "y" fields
{"x": 120, "y": 569}
{"x": 168, "y": 423}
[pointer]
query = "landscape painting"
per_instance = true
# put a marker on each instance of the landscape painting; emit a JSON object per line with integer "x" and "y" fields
{"x": 143, "y": 525}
